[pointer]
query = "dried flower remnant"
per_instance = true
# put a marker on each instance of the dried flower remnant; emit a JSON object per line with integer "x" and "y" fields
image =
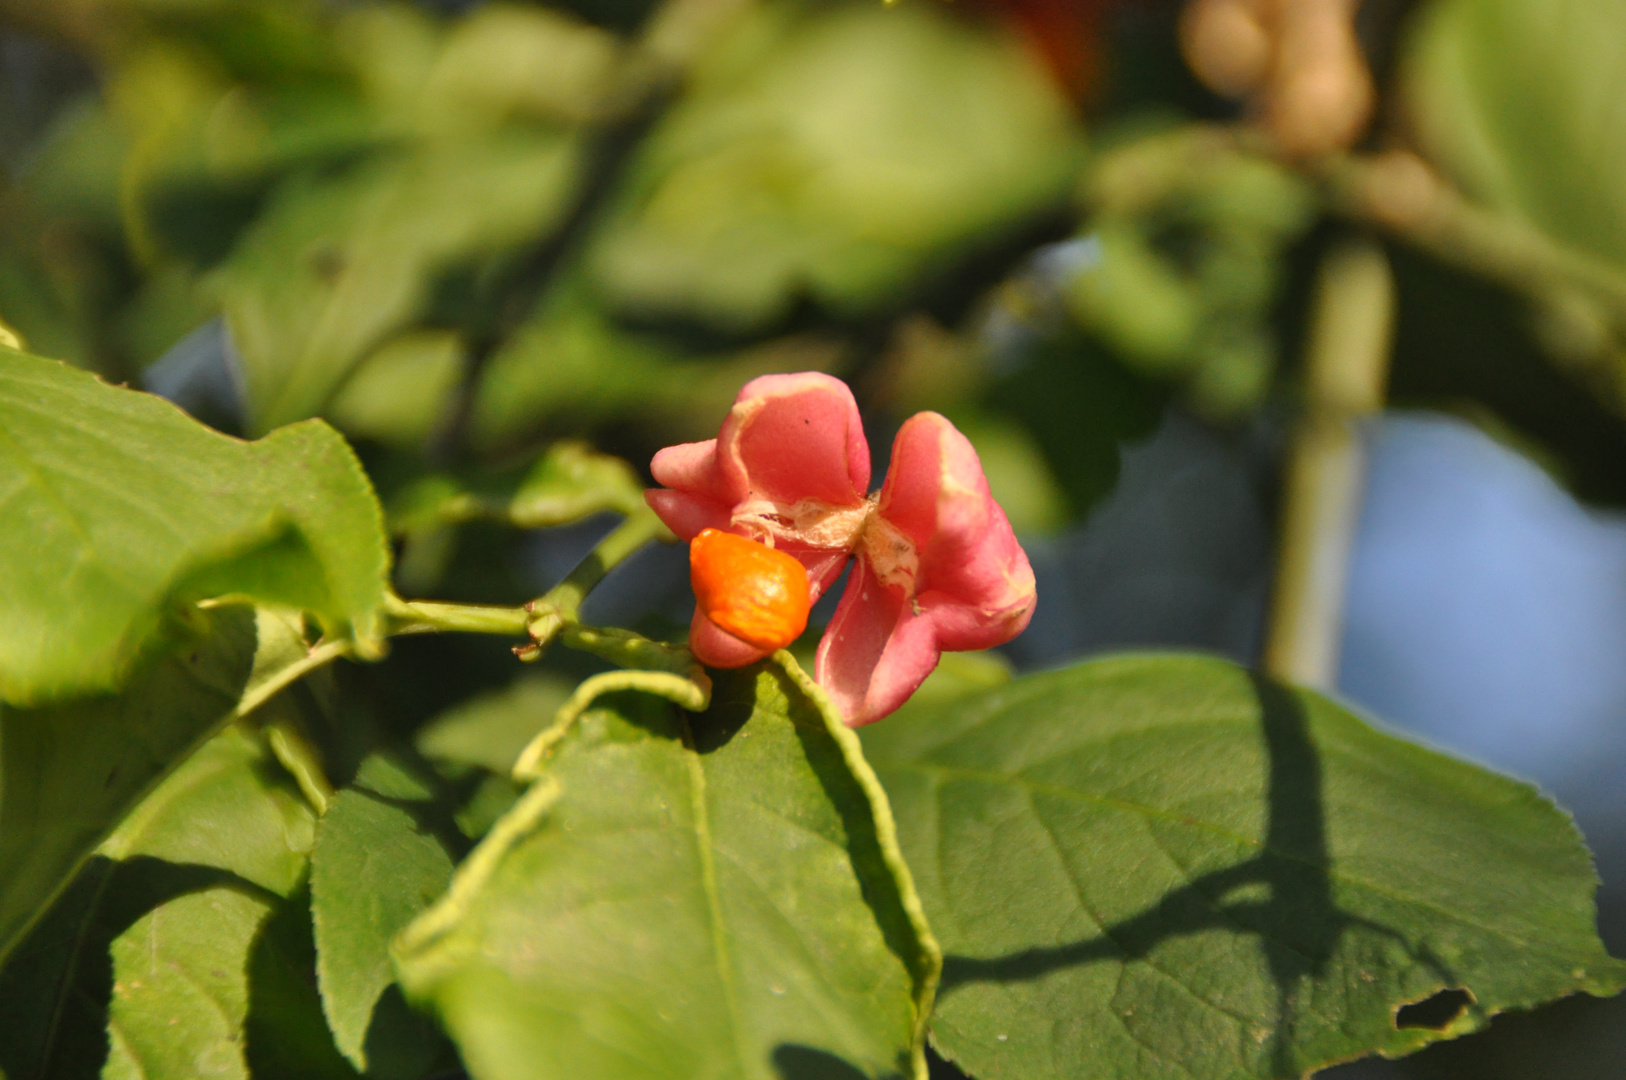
{"x": 1298, "y": 62}
{"x": 937, "y": 565}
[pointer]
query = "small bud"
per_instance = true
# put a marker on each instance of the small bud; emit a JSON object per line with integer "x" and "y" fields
{"x": 752, "y": 591}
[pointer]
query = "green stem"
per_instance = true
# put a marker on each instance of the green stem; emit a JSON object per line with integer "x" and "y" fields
{"x": 556, "y": 614}
{"x": 629, "y": 650}
{"x": 566, "y": 597}
{"x": 1398, "y": 192}
{"x": 435, "y": 616}
{"x": 1346, "y": 369}
{"x": 561, "y": 605}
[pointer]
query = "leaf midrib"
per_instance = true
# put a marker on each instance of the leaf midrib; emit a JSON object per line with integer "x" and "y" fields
{"x": 708, "y": 884}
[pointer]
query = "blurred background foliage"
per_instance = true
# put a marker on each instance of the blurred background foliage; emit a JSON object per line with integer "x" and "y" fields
{"x": 509, "y": 248}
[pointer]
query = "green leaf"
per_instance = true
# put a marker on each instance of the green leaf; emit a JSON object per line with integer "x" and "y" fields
{"x": 377, "y": 865}
{"x": 568, "y": 483}
{"x": 833, "y": 153}
{"x": 1522, "y": 103}
{"x": 399, "y": 394}
{"x": 1156, "y": 866}
{"x": 117, "y": 504}
{"x": 685, "y": 895}
{"x": 337, "y": 264}
{"x": 491, "y": 729}
{"x": 230, "y": 806}
{"x": 70, "y": 773}
{"x": 180, "y": 987}
{"x": 201, "y": 863}
{"x": 182, "y": 971}
{"x": 572, "y": 368}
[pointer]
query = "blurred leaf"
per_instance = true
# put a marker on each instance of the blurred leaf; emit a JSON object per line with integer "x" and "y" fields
{"x": 571, "y": 369}
{"x": 336, "y": 264}
{"x": 833, "y": 153}
{"x": 958, "y": 674}
{"x": 376, "y": 867}
{"x": 219, "y": 102}
{"x": 62, "y": 267}
{"x": 1521, "y": 102}
{"x": 1018, "y": 474}
{"x": 509, "y": 62}
{"x": 708, "y": 895}
{"x": 568, "y": 483}
{"x": 1184, "y": 254}
{"x": 1080, "y": 407}
{"x": 400, "y": 394}
{"x": 166, "y": 307}
{"x": 490, "y": 730}
{"x": 119, "y": 503}
{"x": 1136, "y": 300}
{"x": 1162, "y": 865}
{"x": 493, "y": 797}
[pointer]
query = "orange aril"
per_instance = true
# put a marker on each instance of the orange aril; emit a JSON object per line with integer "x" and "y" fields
{"x": 759, "y": 595}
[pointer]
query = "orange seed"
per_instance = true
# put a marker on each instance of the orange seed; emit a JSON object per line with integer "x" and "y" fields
{"x": 759, "y": 595}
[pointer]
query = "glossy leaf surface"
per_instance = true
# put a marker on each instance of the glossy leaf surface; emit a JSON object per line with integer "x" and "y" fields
{"x": 683, "y": 896}
{"x": 1161, "y": 866}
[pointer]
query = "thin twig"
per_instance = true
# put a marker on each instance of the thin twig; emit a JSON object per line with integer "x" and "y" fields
{"x": 1344, "y": 382}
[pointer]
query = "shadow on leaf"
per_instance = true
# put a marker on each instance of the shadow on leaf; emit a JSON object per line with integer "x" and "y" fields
{"x": 793, "y": 1062}
{"x": 1286, "y": 885}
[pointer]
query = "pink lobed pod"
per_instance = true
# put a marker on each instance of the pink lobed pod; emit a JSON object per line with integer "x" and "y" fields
{"x": 938, "y": 566}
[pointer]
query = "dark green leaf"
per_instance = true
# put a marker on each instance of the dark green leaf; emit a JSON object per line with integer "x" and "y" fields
{"x": 54, "y": 986}
{"x": 287, "y": 1034}
{"x": 377, "y": 865}
{"x": 684, "y": 896}
{"x": 1163, "y": 866}
{"x": 117, "y": 503}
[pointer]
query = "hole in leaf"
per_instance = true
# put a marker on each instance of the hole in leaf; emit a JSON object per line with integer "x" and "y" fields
{"x": 1435, "y": 1012}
